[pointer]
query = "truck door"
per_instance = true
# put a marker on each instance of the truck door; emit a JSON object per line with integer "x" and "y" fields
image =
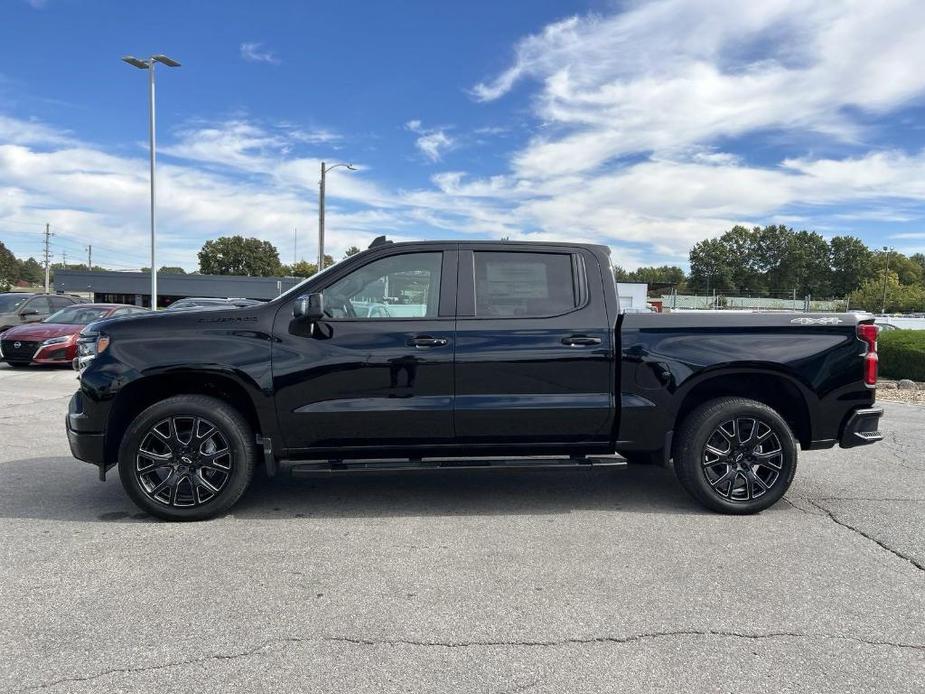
{"x": 534, "y": 347}
{"x": 378, "y": 369}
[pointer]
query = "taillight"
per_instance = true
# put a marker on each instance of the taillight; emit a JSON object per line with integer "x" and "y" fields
{"x": 867, "y": 332}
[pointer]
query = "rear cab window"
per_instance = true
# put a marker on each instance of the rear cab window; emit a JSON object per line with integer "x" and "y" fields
{"x": 519, "y": 284}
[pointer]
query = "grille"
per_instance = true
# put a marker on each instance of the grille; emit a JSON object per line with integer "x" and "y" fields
{"x": 22, "y": 353}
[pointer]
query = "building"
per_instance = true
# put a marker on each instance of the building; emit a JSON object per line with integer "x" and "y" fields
{"x": 632, "y": 296}
{"x": 135, "y": 287}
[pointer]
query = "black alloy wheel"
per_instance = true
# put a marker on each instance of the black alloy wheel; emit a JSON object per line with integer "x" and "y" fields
{"x": 735, "y": 455}
{"x": 189, "y": 457}
{"x": 183, "y": 461}
{"x": 743, "y": 458}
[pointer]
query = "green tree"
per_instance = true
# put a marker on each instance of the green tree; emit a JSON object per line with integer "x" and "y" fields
{"x": 808, "y": 262}
{"x": 850, "y": 261}
{"x": 900, "y": 297}
{"x": 742, "y": 254}
{"x": 9, "y": 268}
{"x": 236, "y": 255}
{"x": 711, "y": 266}
{"x": 302, "y": 269}
{"x": 909, "y": 271}
{"x": 919, "y": 259}
{"x": 171, "y": 270}
{"x": 31, "y": 271}
{"x": 771, "y": 247}
{"x": 353, "y": 250}
{"x": 662, "y": 274}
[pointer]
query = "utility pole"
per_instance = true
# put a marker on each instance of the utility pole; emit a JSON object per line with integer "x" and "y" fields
{"x": 48, "y": 236}
{"x": 89, "y": 258}
{"x": 64, "y": 259}
{"x": 885, "y": 275}
{"x": 295, "y": 246}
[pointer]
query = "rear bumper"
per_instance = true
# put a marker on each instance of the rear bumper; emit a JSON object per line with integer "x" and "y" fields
{"x": 862, "y": 428}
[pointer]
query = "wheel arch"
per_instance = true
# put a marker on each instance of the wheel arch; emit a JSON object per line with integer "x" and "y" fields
{"x": 138, "y": 395}
{"x": 776, "y": 390}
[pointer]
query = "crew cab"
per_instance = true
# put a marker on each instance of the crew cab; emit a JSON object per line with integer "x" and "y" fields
{"x": 460, "y": 354}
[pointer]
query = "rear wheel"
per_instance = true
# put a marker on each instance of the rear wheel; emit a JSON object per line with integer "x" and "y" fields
{"x": 735, "y": 455}
{"x": 189, "y": 457}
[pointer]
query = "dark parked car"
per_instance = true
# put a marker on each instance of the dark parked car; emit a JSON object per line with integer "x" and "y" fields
{"x": 54, "y": 340}
{"x": 17, "y": 308}
{"x": 477, "y": 353}
{"x": 209, "y": 302}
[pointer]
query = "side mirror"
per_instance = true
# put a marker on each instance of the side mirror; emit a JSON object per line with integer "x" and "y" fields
{"x": 28, "y": 312}
{"x": 309, "y": 307}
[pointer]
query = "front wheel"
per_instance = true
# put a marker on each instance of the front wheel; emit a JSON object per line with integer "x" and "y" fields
{"x": 735, "y": 455}
{"x": 188, "y": 457}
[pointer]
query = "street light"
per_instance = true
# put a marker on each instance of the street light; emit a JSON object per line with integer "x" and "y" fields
{"x": 324, "y": 171}
{"x": 148, "y": 64}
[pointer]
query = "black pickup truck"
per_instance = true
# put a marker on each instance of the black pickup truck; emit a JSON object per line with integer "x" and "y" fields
{"x": 460, "y": 354}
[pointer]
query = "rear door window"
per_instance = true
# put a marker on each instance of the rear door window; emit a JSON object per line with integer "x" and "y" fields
{"x": 524, "y": 285}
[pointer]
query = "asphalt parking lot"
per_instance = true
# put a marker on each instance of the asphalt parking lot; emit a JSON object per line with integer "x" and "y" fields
{"x": 441, "y": 581}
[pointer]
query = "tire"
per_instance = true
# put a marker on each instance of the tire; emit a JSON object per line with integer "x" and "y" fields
{"x": 19, "y": 364}
{"x": 731, "y": 466}
{"x": 168, "y": 475}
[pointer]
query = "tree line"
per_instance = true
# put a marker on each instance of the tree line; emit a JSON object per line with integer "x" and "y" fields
{"x": 236, "y": 255}
{"x": 777, "y": 261}
{"x": 773, "y": 260}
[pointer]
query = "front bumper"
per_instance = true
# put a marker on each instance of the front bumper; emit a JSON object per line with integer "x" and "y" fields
{"x": 86, "y": 443}
{"x": 862, "y": 428}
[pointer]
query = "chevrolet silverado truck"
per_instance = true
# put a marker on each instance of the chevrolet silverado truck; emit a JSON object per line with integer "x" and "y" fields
{"x": 461, "y": 354}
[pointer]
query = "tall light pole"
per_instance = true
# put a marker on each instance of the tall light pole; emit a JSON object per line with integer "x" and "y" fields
{"x": 148, "y": 64}
{"x": 889, "y": 252}
{"x": 324, "y": 171}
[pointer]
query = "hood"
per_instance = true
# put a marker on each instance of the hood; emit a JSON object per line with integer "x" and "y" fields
{"x": 37, "y": 332}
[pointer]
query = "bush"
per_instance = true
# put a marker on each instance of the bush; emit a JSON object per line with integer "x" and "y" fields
{"x": 902, "y": 354}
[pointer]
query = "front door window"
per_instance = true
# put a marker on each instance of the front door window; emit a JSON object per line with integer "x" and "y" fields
{"x": 398, "y": 287}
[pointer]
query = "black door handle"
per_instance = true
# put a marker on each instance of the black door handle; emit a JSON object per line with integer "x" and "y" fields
{"x": 580, "y": 341}
{"x": 427, "y": 341}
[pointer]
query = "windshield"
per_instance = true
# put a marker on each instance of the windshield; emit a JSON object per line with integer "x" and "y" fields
{"x": 10, "y": 302}
{"x": 78, "y": 315}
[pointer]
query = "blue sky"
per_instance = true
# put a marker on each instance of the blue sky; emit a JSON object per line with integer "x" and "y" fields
{"x": 646, "y": 126}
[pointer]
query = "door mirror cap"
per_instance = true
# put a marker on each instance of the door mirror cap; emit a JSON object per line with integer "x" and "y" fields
{"x": 29, "y": 312}
{"x": 309, "y": 307}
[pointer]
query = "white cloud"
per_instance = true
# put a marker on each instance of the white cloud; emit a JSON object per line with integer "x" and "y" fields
{"x": 674, "y": 73}
{"x": 253, "y": 52}
{"x": 432, "y": 142}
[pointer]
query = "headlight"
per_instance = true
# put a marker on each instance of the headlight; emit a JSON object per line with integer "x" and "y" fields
{"x": 88, "y": 347}
{"x": 57, "y": 340}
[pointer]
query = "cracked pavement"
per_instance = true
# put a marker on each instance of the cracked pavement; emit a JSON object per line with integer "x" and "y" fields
{"x": 448, "y": 581}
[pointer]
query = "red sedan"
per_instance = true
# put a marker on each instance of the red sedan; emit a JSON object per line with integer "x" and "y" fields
{"x": 54, "y": 340}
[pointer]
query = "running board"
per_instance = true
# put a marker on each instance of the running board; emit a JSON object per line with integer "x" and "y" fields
{"x": 301, "y": 467}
